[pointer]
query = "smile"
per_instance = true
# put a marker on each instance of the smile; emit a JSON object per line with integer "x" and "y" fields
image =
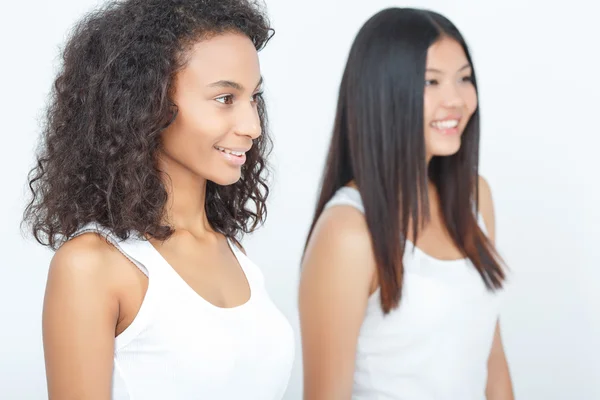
{"x": 235, "y": 158}
{"x": 445, "y": 124}
{"x": 229, "y": 151}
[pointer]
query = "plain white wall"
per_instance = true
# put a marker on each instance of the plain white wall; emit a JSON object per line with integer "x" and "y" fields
{"x": 537, "y": 68}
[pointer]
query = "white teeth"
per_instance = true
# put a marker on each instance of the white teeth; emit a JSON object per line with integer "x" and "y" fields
{"x": 227, "y": 151}
{"x": 448, "y": 124}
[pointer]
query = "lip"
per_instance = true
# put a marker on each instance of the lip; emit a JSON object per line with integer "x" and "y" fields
{"x": 236, "y": 149}
{"x": 233, "y": 159}
{"x": 449, "y": 118}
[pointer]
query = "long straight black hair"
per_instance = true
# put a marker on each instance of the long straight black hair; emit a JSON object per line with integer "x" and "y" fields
{"x": 378, "y": 142}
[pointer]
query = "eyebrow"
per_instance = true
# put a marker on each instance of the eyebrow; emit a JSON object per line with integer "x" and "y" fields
{"x": 232, "y": 84}
{"x": 439, "y": 71}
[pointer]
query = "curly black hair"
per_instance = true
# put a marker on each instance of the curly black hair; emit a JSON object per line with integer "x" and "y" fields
{"x": 111, "y": 99}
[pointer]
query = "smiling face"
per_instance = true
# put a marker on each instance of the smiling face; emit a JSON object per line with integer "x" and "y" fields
{"x": 216, "y": 95}
{"x": 450, "y": 97}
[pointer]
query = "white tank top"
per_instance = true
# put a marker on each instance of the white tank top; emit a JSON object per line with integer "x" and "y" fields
{"x": 436, "y": 344}
{"x": 181, "y": 347}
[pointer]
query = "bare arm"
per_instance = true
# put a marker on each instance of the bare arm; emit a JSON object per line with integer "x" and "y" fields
{"x": 79, "y": 319}
{"x": 337, "y": 276}
{"x": 499, "y": 386}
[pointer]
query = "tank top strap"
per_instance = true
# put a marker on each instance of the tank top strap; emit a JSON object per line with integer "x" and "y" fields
{"x": 137, "y": 251}
{"x": 347, "y": 196}
{"x": 133, "y": 248}
{"x": 253, "y": 273}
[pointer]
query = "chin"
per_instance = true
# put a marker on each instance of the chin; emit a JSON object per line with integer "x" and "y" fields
{"x": 227, "y": 179}
{"x": 446, "y": 150}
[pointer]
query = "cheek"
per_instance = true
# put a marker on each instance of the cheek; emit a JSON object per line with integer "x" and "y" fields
{"x": 191, "y": 138}
{"x": 429, "y": 105}
{"x": 471, "y": 100}
{"x": 200, "y": 127}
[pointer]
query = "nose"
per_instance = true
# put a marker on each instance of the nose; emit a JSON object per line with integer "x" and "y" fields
{"x": 248, "y": 121}
{"x": 453, "y": 97}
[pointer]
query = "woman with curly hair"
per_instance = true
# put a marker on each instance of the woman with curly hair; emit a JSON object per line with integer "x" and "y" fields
{"x": 152, "y": 165}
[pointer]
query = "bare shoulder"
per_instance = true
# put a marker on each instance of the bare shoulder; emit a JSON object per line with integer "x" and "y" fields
{"x": 88, "y": 256}
{"x": 80, "y": 315}
{"x": 485, "y": 192}
{"x": 486, "y": 206}
{"x": 341, "y": 245}
{"x": 338, "y": 275}
{"x": 343, "y": 228}
{"x": 85, "y": 269}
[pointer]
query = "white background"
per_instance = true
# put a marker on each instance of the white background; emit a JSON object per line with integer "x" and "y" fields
{"x": 538, "y": 72}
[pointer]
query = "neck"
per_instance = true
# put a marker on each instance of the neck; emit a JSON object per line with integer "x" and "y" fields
{"x": 185, "y": 208}
{"x": 428, "y": 158}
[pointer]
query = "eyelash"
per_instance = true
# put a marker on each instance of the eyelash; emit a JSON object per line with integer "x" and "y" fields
{"x": 255, "y": 98}
{"x": 431, "y": 82}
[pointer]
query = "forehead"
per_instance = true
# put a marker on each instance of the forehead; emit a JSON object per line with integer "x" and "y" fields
{"x": 227, "y": 56}
{"x": 446, "y": 54}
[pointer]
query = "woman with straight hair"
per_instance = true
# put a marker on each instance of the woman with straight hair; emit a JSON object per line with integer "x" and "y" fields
{"x": 399, "y": 293}
{"x": 152, "y": 167}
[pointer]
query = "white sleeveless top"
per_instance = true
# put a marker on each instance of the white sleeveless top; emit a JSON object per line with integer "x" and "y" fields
{"x": 181, "y": 347}
{"x": 436, "y": 344}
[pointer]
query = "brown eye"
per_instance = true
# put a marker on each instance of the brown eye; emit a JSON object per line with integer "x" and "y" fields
{"x": 227, "y": 99}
